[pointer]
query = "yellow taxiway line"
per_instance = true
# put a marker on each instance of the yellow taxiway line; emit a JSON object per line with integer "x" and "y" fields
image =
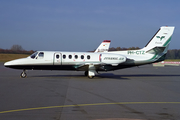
{"x": 93, "y": 104}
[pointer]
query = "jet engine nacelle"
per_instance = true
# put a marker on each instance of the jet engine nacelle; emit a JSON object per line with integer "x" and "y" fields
{"x": 113, "y": 59}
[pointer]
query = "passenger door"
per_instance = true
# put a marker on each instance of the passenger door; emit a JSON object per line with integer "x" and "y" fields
{"x": 57, "y": 59}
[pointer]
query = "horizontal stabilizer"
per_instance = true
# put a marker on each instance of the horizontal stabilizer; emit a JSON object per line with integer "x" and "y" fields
{"x": 156, "y": 50}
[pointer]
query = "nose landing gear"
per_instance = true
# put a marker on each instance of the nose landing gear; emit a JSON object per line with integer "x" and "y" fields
{"x": 23, "y": 74}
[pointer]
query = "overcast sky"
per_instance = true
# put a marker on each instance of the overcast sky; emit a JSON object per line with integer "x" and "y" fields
{"x": 81, "y": 25}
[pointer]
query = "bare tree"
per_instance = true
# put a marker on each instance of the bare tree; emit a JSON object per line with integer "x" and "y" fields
{"x": 17, "y": 48}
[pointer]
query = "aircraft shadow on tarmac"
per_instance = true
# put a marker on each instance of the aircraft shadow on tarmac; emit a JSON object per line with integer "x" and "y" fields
{"x": 129, "y": 76}
{"x": 108, "y": 75}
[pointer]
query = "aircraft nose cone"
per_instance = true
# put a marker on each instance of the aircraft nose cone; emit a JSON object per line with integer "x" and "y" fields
{"x": 6, "y": 64}
{"x": 15, "y": 63}
{"x": 10, "y": 63}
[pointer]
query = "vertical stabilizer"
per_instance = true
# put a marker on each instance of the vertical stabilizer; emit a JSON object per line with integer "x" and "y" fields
{"x": 158, "y": 45}
{"x": 160, "y": 40}
{"x": 104, "y": 46}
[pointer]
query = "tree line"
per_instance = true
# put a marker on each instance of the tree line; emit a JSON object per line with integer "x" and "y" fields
{"x": 173, "y": 54}
{"x": 17, "y": 49}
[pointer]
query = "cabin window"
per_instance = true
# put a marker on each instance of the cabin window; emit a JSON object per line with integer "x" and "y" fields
{"x": 57, "y": 56}
{"x": 41, "y": 55}
{"x": 88, "y": 57}
{"x": 82, "y": 56}
{"x": 76, "y": 56}
{"x": 34, "y": 55}
{"x": 64, "y": 56}
{"x": 70, "y": 56}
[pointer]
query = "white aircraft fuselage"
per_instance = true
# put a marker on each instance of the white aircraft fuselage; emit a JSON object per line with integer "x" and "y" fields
{"x": 91, "y": 63}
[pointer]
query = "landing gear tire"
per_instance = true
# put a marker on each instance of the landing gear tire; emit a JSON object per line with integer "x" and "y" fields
{"x": 23, "y": 74}
{"x": 90, "y": 77}
{"x": 86, "y": 73}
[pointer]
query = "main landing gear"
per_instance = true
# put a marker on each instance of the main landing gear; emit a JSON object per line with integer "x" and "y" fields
{"x": 23, "y": 74}
{"x": 91, "y": 71}
{"x": 86, "y": 73}
{"x": 90, "y": 76}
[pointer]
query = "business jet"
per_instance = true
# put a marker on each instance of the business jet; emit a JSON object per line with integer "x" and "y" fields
{"x": 100, "y": 60}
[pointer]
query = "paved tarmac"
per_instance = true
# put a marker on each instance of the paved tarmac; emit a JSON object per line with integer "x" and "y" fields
{"x": 144, "y": 93}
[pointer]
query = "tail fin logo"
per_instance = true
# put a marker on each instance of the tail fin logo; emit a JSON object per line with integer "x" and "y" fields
{"x": 160, "y": 37}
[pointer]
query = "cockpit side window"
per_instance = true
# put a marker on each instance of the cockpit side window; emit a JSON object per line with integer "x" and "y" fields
{"x": 41, "y": 55}
{"x": 34, "y": 55}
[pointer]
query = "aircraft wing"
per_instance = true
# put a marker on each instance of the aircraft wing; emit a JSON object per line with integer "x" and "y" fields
{"x": 86, "y": 66}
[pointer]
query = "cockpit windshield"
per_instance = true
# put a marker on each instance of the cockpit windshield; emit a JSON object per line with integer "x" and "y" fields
{"x": 34, "y": 55}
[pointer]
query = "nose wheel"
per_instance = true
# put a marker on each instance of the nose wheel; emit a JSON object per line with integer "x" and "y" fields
{"x": 23, "y": 74}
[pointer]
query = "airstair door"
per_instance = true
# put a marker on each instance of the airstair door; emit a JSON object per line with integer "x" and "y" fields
{"x": 57, "y": 59}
